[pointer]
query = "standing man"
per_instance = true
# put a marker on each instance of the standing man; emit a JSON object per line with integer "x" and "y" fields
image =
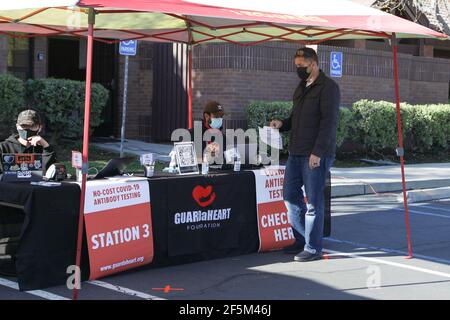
{"x": 313, "y": 124}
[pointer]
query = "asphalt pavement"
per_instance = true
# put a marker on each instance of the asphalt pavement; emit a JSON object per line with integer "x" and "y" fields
{"x": 366, "y": 258}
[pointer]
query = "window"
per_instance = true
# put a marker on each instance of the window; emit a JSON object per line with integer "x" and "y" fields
{"x": 19, "y": 57}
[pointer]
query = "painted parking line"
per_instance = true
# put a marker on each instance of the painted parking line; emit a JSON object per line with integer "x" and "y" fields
{"x": 51, "y": 296}
{"x": 124, "y": 290}
{"x": 389, "y": 263}
{"x": 387, "y": 250}
{"x": 39, "y": 293}
{"x": 433, "y": 208}
{"x": 422, "y": 213}
{"x": 442, "y": 200}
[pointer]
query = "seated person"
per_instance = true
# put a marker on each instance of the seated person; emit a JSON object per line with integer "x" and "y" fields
{"x": 212, "y": 122}
{"x": 28, "y": 140}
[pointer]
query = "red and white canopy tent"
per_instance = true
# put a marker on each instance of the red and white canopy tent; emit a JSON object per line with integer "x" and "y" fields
{"x": 194, "y": 22}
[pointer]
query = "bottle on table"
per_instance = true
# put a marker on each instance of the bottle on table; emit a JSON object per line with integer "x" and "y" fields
{"x": 237, "y": 164}
{"x": 205, "y": 164}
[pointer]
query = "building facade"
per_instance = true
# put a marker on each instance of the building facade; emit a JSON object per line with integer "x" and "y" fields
{"x": 233, "y": 75}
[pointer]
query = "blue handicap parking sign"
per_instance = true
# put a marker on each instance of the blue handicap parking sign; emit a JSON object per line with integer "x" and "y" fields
{"x": 128, "y": 47}
{"x": 336, "y": 64}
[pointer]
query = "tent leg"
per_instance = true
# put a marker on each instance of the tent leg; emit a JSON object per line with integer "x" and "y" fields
{"x": 400, "y": 150}
{"x": 85, "y": 153}
{"x": 190, "y": 87}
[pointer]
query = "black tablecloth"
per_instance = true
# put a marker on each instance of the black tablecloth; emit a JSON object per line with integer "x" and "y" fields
{"x": 49, "y": 233}
{"x": 175, "y": 244}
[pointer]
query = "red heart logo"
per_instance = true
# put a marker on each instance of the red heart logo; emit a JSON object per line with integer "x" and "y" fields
{"x": 199, "y": 193}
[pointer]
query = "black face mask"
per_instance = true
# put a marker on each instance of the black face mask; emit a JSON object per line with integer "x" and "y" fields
{"x": 25, "y": 134}
{"x": 302, "y": 73}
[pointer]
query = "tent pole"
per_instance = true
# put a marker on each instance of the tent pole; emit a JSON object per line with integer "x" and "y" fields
{"x": 190, "y": 87}
{"x": 85, "y": 153}
{"x": 400, "y": 149}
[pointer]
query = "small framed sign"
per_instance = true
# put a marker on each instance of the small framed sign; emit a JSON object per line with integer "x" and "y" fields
{"x": 186, "y": 158}
{"x": 147, "y": 159}
{"x": 77, "y": 160}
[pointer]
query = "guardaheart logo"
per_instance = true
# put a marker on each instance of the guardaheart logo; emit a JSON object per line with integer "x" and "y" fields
{"x": 204, "y": 196}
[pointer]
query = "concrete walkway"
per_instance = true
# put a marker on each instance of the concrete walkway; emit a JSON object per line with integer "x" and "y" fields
{"x": 135, "y": 147}
{"x": 368, "y": 180}
{"x": 345, "y": 181}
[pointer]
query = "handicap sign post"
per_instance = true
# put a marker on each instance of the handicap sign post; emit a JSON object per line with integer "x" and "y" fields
{"x": 336, "y": 58}
{"x": 127, "y": 48}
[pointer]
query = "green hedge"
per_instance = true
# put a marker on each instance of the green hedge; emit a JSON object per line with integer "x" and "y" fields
{"x": 259, "y": 113}
{"x": 373, "y": 124}
{"x": 344, "y": 125}
{"x": 426, "y": 128}
{"x": 62, "y": 103}
{"x": 431, "y": 127}
{"x": 11, "y": 102}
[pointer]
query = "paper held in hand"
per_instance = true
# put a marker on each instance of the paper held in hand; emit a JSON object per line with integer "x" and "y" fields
{"x": 271, "y": 137}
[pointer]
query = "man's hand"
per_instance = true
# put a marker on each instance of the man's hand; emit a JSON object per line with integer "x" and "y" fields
{"x": 314, "y": 162}
{"x": 276, "y": 124}
{"x": 38, "y": 141}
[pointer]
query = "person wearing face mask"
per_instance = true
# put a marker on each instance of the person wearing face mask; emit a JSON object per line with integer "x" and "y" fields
{"x": 312, "y": 125}
{"x": 212, "y": 121}
{"x": 28, "y": 140}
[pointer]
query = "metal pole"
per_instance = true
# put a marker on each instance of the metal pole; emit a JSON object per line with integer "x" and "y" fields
{"x": 85, "y": 153}
{"x": 124, "y": 108}
{"x": 190, "y": 123}
{"x": 400, "y": 150}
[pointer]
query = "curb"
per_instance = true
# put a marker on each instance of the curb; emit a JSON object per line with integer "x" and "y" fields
{"x": 426, "y": 195}
{"x": 345, "y": 190}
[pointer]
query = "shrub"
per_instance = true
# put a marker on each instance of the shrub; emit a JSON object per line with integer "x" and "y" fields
{"x": 375, "y": 124}
{"x": 62, "y": 103}
{"x": 345, "y": 125}
{"x": 259, "y": 113}
{"x": 426, "y": 128}
{"x": 431, "y": 127}
{"x": 11, "y": 102}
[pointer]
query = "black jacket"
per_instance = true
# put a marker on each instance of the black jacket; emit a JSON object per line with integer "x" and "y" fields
{"x": 314, "y": 118}
{"x": 12, "y": 145}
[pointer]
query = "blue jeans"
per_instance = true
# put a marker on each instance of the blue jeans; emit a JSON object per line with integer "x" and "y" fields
{"x": 306, "y": 219}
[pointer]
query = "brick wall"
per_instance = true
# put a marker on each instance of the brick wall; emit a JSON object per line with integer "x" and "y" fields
{"x": 140, "y": 88}
{"x": 236, "y": 75}
{"x": 3, "y": 53}
{"x": 235, "y": 88}
{"x": 427, "y": 92}
{"x": 40, "y": 67}
{"x": 40, "y": 45}
{"x": 369, "y": 74}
